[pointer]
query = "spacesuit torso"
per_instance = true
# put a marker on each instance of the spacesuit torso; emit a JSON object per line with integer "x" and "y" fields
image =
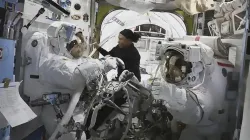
{"x": 199, "y": 101}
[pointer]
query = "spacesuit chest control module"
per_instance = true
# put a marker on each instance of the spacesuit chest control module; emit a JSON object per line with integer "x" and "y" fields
{"x": 192, "y": 83}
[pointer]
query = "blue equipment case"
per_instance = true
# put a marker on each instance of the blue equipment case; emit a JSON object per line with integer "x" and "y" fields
{"x": 7, "y": 52}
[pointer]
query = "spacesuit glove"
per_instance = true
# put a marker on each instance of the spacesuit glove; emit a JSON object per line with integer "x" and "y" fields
{"x": 127, "y": 75}
{"x": 153, "y": 84}
{"x": 111, "y": 63}
{"x": 174, "y": 97}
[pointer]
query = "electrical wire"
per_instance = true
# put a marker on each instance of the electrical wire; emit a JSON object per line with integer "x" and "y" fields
{"x": 131, "y": 107}
{"x": 155, "y": 74}
{"x": 197, "y": 103}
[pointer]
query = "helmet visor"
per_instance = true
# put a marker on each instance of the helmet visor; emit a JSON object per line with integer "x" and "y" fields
{"x": 77, "y": 46}
{"x": 173, "y": 67}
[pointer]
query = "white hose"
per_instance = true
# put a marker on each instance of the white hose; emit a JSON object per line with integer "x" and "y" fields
{"x": 67, "y": 116}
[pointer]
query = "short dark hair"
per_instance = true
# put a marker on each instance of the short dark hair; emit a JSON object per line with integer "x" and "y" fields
{"x": 131, "y": 35}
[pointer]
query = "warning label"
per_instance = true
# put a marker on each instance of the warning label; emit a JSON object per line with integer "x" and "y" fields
{"x": 1, "y": 53}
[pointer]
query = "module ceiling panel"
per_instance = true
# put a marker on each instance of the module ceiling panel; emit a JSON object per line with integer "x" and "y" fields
{"x": 143, "y": 5}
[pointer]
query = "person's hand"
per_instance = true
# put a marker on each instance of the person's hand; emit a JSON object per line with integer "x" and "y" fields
{"x": 125, "y": 75}
{"x": 112, "y": 63}
{"x": 96, "y": 46}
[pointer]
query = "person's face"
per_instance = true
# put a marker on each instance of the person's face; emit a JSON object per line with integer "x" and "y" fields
{"x": 123, "y": 41}
{"x": 79, "y": 48}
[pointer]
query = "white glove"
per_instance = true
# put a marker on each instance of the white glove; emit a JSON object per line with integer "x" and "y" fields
{"x": 111, "y": 63}
{"x": 154, "y": 87}
{"x": 175, "y": 98}
{"x": 127, "y": 75}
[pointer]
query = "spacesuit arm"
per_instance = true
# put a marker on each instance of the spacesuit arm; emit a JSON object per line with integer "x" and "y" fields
{"x": 185, "y": 105}
{"x": 90, "y": 70}
{"x": 60, "y": 73}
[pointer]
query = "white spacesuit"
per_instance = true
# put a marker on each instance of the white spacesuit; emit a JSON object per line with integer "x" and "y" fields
{"x": 54, "y": 63}
{"x": 192, "y": 84}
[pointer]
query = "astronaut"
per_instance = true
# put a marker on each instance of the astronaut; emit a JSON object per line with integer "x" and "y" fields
{"x": 56, "y": 65}
{"x": 192, "y": 83}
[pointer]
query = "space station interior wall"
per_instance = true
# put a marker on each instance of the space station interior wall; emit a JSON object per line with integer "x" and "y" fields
{"x": 121, "y": 19}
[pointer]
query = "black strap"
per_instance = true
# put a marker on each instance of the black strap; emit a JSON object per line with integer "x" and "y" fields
{"x": 34, "y": 76}
{"x": 196, "y": 100}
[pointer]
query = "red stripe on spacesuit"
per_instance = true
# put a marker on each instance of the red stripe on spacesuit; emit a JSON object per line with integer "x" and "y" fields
{"x": 225, "y": 65}
{"x": 197, "y": 38}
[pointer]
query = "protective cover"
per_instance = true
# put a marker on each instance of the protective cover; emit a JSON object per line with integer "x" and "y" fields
{"x": 192, "y": 7}
{"x": 139, "y": 6}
